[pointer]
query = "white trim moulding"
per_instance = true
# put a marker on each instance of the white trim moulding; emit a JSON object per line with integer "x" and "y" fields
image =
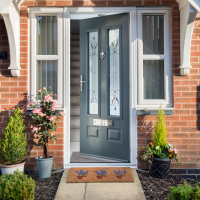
{"x": 11, "y": 18}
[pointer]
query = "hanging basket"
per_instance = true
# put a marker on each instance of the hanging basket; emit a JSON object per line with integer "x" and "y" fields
{"x": 160, "y": 168}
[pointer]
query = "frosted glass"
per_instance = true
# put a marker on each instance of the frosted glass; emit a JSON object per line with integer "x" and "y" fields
{"x": 153, "y": 34}
{"x": 93, "y": 72}
{"x": 46, "y": 76}
{"x": 114, "y": 104}
{"x": 153, "y": 79}
{"x": 46, "y": 35}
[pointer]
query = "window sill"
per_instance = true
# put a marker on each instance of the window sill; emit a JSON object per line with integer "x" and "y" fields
{"x": 154, "y": 111}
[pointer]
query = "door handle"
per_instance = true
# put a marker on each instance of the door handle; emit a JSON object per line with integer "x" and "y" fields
{"x": 81, "y": 81}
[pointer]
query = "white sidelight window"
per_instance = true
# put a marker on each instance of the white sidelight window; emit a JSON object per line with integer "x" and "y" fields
{"x": 46, "y": 54}
{"x": 154, "y": 58}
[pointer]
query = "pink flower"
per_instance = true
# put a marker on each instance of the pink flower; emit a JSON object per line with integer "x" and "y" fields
{"x": 171, "y": 149}
{"x": 61, "y": 113}
{"x": 51, "y": 118}
{"x": 54, "y": 103}
{"x": 55, "y": 95}
{"x": 176, "y": 151}
{"x": 48, "y": 98}
{"x": 34, "y": 129}
{"x": 37, "y": 110}
{"x": 53, "y": 108}
{"x": 41, "y": 114}
{"x": 44, "y": 88}
{"x": 31, "y": 104}
{"x": 39, "y": 91}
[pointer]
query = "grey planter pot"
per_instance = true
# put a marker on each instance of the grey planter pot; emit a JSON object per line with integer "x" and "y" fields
{"x": 44, "y": 166}
{"x": 160, "y": 168}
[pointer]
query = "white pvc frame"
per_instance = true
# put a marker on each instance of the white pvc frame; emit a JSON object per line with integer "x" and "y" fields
{"x": 59, "y": 57}
{"x": 133, "y": 79}
{"x": 167, "y": 102}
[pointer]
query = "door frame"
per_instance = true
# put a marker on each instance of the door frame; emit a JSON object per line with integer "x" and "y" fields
{"x": 132, "y": 80}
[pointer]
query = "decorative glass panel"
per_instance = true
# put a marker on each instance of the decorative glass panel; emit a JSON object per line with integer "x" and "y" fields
{"x": 153, "y": 79}
{"x": 153, "y": 34}
{"x": 46, "y": 76}
{"x": 93, "y": 72}
{"x": 114, "y": 72}
{"x": 46, "y": 35}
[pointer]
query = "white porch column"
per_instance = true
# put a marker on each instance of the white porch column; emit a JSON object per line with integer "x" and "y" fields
{"x": 12, "y": 22}
{"x": 188, "y": 12}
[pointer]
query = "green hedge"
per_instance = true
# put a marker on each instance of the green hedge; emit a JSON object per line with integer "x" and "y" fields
{"x": 185, "y": 192}
{"x": 16, "y": 186}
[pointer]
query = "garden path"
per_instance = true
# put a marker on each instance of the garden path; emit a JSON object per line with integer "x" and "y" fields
{"x": 100, "y": 191}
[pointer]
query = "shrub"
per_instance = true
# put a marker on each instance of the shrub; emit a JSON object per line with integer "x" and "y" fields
{"x": 160, "y": 134}
{"x": 185, "y": 192}
{"x": 13, "y": 143}
{"x": 16, "y": 186}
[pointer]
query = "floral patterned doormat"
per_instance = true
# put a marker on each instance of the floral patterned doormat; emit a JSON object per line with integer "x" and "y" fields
{"x": 99, "y": 174}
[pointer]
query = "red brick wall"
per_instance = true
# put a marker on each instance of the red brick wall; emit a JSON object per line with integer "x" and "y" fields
{"x": 182, "y": 126}
{"x": 13, "y": 91}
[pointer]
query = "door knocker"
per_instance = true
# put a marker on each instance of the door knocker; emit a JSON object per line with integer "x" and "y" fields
{"x": 102, "y": 55}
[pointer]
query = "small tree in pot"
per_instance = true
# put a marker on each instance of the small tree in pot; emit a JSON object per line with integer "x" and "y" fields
{"x": 45, "y": 116}
{"x": 159, "y": 153}
{"x": 13, "y": 144}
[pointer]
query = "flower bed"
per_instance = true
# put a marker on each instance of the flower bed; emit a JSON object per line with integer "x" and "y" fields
{"x": 155, "y": 189}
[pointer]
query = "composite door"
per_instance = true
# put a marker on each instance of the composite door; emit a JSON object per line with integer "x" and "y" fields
{"x": 104, "y": 81}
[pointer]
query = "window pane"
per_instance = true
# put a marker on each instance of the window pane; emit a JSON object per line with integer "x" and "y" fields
{"x": 46, "y": 76}
{"x": 114, "y": 72}
{"x": 153, "y": 79}
{"x": 153, "y": 34}
{"x": 46, "y": 35}
{"x": 93, "y": 72}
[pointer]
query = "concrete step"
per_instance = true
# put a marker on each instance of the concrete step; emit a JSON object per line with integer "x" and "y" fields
{"x": 75, "y": 50}
{"x": 75, "y": 100}
{"x": 75, "y": 73}
{"x": 74, "y": 135}
{"x": 75, "y": 111}
{"x": 75, "y": 91}
{"x": 75, "y": 82}
{"x": 75, "y": 64}
{"x": 74, "y": 38}
{"x": 74, "y": 57}
{"x": 75, "y": 43}
{"x": 75, "y": 123}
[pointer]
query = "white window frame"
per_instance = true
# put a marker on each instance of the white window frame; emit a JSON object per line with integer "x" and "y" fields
{"x": 59, "y": 57}
{"x": 155, "y": 103}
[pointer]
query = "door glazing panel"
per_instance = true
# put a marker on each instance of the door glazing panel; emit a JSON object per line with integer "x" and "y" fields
{"x": 93, "y": 72}
{"x": 114, "y": 71}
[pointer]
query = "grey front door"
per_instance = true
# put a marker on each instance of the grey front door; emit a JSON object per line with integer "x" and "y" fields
{"x": 104, "y": 97}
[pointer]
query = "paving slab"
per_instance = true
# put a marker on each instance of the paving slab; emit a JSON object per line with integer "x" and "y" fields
{"x": 100, "y": 191}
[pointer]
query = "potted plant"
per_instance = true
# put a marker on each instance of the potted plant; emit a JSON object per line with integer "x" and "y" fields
{"x": 13, "y": 144}
{"x": 45, "y": 116}
{"x": 81, "y": 174}
{"x": 101, "y": 174}
{"x": 120, "y": 174}
{"x": 159, "y": 153}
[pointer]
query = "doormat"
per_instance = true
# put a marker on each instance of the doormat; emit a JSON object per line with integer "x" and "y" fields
{"x": 92, "y": 177}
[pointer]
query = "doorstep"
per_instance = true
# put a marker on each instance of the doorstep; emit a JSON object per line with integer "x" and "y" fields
{"x": 99, "y": 191}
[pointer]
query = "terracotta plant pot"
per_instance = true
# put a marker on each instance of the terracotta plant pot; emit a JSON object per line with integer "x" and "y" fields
{"x": 81, "y": 177}
{"x": 9, "y": 169}
{"x": 101, "y": 177}
{"x": 120, "y": 177}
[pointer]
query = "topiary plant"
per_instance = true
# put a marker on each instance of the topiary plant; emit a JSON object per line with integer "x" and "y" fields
{"x": 13, "y": 143}
{"x": 160, "y": 134}
{"x": 16, "y": 186}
